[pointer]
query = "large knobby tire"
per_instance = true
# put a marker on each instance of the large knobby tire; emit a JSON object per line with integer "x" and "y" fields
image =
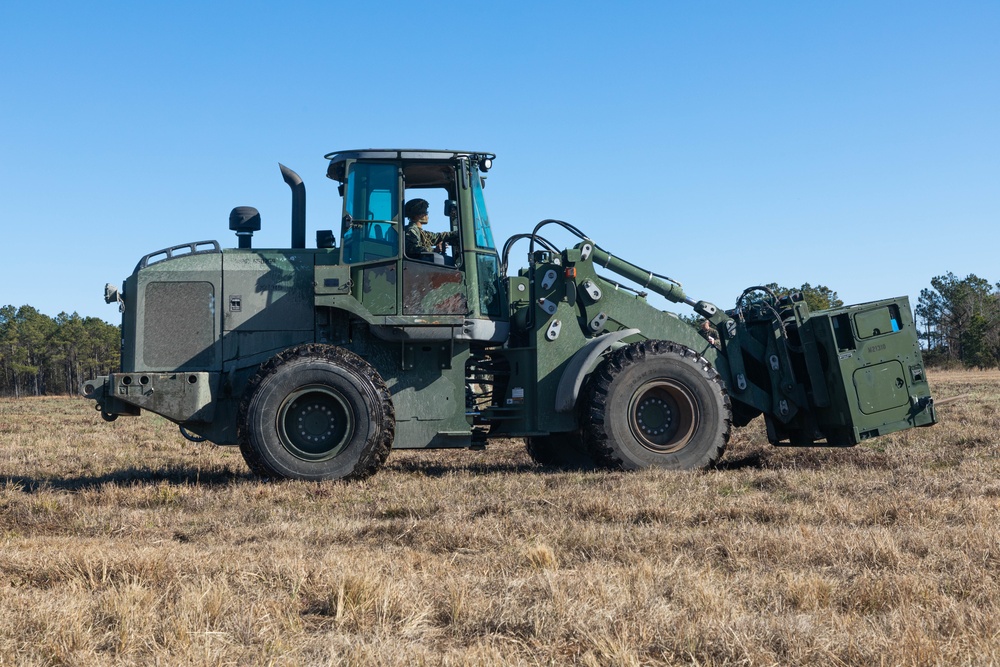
{"x": 316, "y": 412}
{"x": 656, "y": 403}
{"x": 559, "y": 450}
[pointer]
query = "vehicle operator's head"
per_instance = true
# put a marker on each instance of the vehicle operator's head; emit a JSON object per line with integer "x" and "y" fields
{"x": 416, "y": 210}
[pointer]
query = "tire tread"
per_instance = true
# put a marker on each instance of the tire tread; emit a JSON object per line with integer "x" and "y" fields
{"x": 598, "y": 439}
{"x": 373, "y": 458}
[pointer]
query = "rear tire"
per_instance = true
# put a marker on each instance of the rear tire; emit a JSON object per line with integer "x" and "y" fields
{"x": 656, "y": 403}
{"x": 316, "y": 412}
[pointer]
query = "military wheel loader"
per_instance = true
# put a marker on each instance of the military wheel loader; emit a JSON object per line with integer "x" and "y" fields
{"x": 317, "y": 362}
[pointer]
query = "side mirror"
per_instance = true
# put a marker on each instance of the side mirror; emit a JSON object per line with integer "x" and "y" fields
{"x": 450, "y": 207}
{"x": 325, "y": 239}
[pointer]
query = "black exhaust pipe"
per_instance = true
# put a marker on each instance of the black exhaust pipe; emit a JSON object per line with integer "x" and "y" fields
{"x": 298, "y": 206}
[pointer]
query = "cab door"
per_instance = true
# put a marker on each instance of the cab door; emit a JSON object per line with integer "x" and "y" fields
{"x": 435, "y": 283}
{"x": 372, "y": 234}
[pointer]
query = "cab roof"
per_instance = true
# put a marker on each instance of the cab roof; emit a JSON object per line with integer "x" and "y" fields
{"x": 337, "y": 158}
{"x": 404, "y": 154}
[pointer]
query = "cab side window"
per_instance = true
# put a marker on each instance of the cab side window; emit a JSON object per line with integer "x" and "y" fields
{"x": 371, "y": 212}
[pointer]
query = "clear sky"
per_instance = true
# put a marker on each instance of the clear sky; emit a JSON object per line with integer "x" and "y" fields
{"x": 725, "y": 144}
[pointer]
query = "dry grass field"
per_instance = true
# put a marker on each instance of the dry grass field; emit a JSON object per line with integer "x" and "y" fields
{"x": 125, "y": 544}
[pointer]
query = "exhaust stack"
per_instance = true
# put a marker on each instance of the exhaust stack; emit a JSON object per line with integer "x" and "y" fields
{"x": 298, "y": 206}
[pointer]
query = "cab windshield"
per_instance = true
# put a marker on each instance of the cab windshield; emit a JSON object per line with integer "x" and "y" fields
{"x": 484, "y": 236}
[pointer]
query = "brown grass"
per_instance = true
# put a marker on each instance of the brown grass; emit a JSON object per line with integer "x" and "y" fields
{"x": 123, "y": 543}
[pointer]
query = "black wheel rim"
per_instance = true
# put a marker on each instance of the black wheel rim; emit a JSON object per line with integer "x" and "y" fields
{"x": 663, "y": 416}
{"x": 315, "y": 423}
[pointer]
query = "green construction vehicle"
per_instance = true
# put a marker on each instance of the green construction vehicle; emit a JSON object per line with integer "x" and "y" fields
{"x": 318, "y": 361}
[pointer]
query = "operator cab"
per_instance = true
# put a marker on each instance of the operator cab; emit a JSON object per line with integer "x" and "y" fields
{"x": 448, "y": 263}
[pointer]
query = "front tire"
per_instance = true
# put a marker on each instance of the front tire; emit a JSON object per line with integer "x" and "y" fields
{"x": 656, "y": 403}
{"x": 316, "y": 412}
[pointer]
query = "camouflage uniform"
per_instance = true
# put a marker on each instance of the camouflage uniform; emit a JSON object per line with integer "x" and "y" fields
{"x": 418, "y": 241}
{"x": 709, "y": 334}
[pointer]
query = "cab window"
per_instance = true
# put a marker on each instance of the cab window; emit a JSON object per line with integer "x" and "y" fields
{"x": 439, "y": 240}
{"x": 484, "y": 235}
{"x": 371, "y": 212}
{"x": 488, "y": 269}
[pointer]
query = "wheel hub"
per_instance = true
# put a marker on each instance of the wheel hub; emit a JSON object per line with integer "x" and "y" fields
{"x": 314, "y": 423}
{"x": 663, "y": 416}
{"x": 654, "y": 416}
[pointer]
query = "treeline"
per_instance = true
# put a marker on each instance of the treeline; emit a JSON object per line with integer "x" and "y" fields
{"x": 819, "y": 297}
{"x": 960, "y": 321}
{"x": 42, "y": 355}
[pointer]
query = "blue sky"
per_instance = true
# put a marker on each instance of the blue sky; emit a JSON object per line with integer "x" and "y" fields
{"x": 726, "y": 144}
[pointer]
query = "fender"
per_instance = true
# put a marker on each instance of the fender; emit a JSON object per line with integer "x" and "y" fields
{"x": 572, "y": 378}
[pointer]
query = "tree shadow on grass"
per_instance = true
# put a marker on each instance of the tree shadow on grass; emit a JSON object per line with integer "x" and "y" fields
{"x": 425, "y": 465}
{"x": 809, "y": 458}
{"x": 439, "y": 469}
{"x": 191, "y": 476}
{"x": 753, "y": 460}
{"x": 134, "y": 476}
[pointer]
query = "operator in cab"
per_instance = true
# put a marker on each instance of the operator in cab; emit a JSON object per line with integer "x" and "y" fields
{"x": 419, "y": 241}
